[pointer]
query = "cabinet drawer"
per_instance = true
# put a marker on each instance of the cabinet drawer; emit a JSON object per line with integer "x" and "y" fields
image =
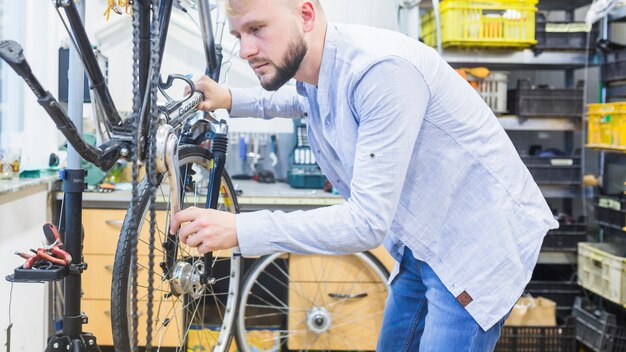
{"x": 103, "y": 226}
{"x": 99, "y": 313}
{"x": 355, "y": 321}
{"x": 97, "y": 278}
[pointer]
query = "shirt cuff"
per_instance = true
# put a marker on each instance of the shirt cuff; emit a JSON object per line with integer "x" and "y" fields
{"x": 252, "y": 234}
{"x": 243, "y": 102}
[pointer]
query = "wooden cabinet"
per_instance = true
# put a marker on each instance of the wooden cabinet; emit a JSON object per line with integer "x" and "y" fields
{"x": 341, "y": 275}
{"x": 348, "y": 296}
{"x": 102, "y": 229}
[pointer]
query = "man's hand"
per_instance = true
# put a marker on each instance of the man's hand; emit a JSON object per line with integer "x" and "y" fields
{"x": 208, "y": 229}
{"x": 215, "y": 96}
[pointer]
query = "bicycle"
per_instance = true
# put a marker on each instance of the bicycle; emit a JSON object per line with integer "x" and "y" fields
{"x": 198, "y": 298}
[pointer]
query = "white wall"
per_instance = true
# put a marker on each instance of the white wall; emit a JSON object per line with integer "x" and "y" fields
{"x": 22, "y": 220}
{"x": 28, "y": 127}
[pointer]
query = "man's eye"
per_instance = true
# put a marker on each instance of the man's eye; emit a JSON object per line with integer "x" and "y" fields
{"x": 255, "y": 29}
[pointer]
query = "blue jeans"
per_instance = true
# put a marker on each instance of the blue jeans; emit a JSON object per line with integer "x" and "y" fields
{"x": 422, "y": 315}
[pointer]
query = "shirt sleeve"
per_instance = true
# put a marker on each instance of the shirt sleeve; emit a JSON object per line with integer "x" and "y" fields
{"x": 257, "y": 102}
{"x": 390, "y": 101}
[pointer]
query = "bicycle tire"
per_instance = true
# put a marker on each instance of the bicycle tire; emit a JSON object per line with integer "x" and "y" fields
{"x": 208, "y": 324}
{"x": 297, "y": 302}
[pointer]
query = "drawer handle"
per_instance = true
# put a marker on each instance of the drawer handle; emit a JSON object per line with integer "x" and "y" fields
{"x": 347, "y": 296}
{"x": 114, "y": 222}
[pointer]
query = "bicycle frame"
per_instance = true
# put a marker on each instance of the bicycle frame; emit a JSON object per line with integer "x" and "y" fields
{"x": 175, "y": 118}
{"x": 115, "y": 133}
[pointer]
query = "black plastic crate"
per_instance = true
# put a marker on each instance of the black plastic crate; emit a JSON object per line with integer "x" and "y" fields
{"x": 562, "y": 170}
{"x": 619, "y": 340}
{"x": 561, "y": 292}
{"x": 562, "y": 35}
{"x": 614, "y": 67}
{"x": 538, "y": 338}
{"x": 611, "y": 210}
{"x": 595, "y": 328}
{"x": 545, "y": 101}
{"x": 565, "y": 238}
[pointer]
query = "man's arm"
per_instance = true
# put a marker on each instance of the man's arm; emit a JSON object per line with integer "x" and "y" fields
{"x": 250, "y": 102}
{"x": 391, "y": 100}
{"x": 257, "y": 102}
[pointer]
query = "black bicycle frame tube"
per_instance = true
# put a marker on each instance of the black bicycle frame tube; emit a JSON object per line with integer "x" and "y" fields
{"x": 213, "y": 58}
{"x": 165, "y": 13}
{"x": 91, "y": 64}
{"x": 219, "y": 149}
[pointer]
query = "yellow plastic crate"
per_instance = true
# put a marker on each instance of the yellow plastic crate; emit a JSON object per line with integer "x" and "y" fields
{"x": 602, "y": 270}
{"x": 471, "y": 23}
{"x": 606, "y": 124}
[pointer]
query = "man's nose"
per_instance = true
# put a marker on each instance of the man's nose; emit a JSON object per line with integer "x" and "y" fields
{"x": 248, "y": 48}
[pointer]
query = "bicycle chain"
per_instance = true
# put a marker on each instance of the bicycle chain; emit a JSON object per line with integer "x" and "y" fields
{"x": 150, "y": 165}
{"x": 134, "y": 208}
{"x": 154, "y": 124}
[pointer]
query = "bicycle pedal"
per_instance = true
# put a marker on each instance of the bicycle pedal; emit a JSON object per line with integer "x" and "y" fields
{"x": 12, "y": 52}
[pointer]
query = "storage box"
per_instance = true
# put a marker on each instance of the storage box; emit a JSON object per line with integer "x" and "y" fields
{"x": 300, "y": 177}
{"x": 261, "y": 340}
{"x": 493, "y": 89}
{"x": 595, "y": 328}
{"x": 562, "y": 292}
{"x": 199, "y": 339}
{"x": 562, "y": 170}
{"x": 538, "y": 338}
{"x": 528, "y": 100}
{"x": 601, "y": 268}
{"x": 565, "y": 238}
{"x": 564, "y": 35}
{"x": 614, "y": 68}
{"x": 467, "y": 23}
{"x": 532, "y": 311}
{"x": 606, "y": 124}
{"x": 303, "y": 170}
{"x": 611, "y": 211}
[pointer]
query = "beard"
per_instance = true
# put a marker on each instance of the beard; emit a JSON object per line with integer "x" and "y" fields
{"x": 293, "y": 58}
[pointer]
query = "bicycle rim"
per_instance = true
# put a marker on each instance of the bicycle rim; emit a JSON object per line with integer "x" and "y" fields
{"x": 203, "y": 315}
{"x": 312, "y": 302}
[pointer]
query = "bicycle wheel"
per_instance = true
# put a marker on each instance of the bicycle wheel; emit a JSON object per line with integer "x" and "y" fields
{"x": 312, "y": 302}
{"x": 201, "y": 315}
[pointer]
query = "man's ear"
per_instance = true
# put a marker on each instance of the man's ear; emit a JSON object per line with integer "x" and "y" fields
{"x": 308, "y": 16}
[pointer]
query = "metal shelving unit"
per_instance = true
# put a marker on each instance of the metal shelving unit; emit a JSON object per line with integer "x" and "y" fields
{"x": 527, "y": 59}
{"x": 514, "y": 123}
{"x": 530, "y": 59}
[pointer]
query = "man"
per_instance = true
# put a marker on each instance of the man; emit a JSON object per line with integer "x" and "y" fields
{"x": 421, "y": 160}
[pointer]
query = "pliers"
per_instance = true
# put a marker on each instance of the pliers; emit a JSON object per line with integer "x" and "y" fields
{"x": 51, "y": 253}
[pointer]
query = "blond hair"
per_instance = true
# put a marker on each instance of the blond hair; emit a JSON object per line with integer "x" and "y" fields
{"x": 230, "y": 5}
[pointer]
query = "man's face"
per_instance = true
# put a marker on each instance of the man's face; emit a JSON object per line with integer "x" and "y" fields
{"x": 270, "y": 40}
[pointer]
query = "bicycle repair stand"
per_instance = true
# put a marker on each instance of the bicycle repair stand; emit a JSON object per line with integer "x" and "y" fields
{"x": 72, "y": 338}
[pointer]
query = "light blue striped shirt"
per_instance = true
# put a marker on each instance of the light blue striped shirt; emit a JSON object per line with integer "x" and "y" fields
{"x": 421, "y": 161}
